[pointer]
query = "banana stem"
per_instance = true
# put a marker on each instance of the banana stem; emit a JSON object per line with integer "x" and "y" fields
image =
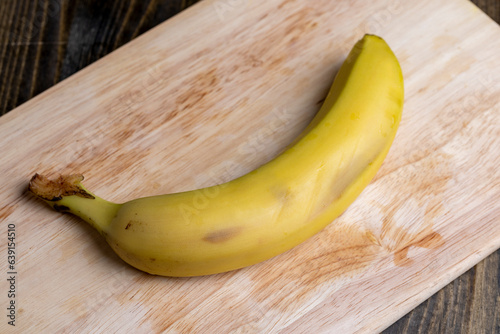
{"x": 67, "y": 194}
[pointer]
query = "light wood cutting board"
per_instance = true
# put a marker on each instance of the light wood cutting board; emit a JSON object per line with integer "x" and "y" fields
{"x": 212, "y": 94}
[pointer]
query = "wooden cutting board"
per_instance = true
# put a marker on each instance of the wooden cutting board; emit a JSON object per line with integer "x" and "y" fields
{"x": 217, "y": 91}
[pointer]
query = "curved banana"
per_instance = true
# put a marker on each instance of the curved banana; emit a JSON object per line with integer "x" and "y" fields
{"x": 272, "y": 208}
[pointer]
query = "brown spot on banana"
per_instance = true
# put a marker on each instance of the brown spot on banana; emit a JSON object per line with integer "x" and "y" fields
{"x": 136, "y": 225}
{"x": 60, "y": 208}
{"x": 222, "y": 235}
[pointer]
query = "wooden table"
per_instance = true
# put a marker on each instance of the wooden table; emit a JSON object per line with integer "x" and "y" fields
{"x": 43, "y": 42}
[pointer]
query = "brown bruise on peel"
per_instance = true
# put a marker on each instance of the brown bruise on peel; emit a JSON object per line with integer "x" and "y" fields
{"x": 55, "y": 190}
{"x": 222, "y": 235}
{"x": 61, "y": 208}
{"x": 135, "y": 226}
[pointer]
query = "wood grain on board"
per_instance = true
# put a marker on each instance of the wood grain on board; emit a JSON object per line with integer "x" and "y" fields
{"x": 103, "y": 117}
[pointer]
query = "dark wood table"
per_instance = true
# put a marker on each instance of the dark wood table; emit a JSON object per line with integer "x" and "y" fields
{"x": 45, "y": 41}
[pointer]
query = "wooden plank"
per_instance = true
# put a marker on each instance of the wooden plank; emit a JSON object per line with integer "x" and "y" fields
{"x": 171, "y": 112}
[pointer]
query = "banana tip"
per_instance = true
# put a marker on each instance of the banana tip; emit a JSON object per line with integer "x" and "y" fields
{"x": 54, "y": 190}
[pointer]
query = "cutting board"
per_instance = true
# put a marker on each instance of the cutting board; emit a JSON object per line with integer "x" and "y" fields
{"x": 212, "y": 94}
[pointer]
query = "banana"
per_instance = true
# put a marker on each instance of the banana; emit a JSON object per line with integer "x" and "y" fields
{"x": 271, "y": 209}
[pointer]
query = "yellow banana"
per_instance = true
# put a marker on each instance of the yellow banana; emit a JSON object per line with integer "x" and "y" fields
{"x": 271, "y": 209}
